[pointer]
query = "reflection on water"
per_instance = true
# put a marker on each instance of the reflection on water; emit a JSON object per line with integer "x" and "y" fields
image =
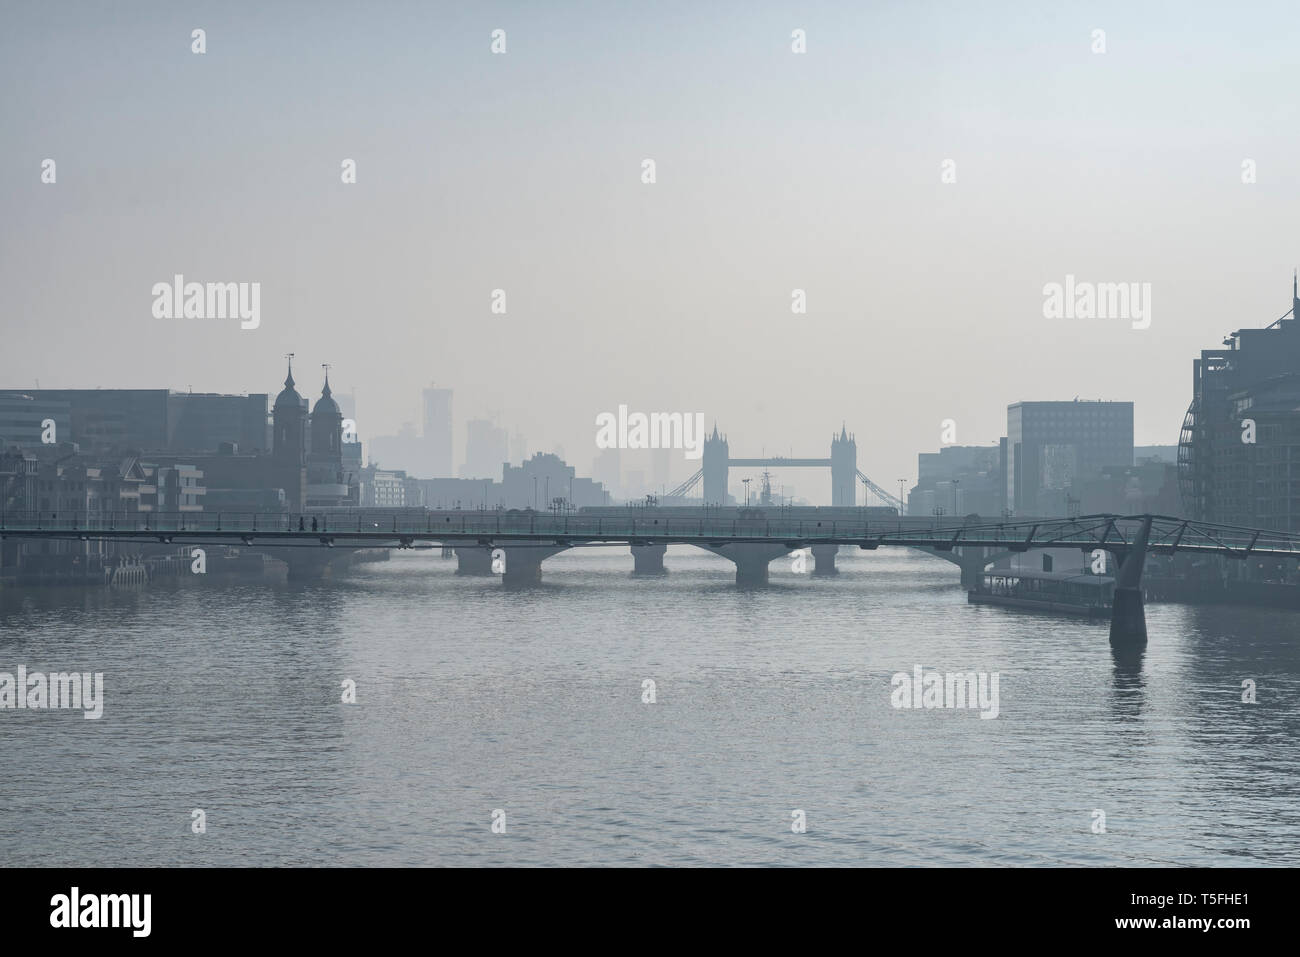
{"x": 1129, "y": 682}
{"x": 471, "y": 698}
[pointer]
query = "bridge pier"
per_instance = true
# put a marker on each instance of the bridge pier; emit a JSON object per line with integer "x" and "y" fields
{"x": 649, "y": 559}
{"x": 1128, "y": 620}
{"x": 524, "y": 564}
{"x": 971, "y": 559}
{"x": 305, "y": 564}
{"x": 824, "y": 560}
{"x": 751, "y": 560}
{"x": 473, "y": 560}
{"x": 518, "y": 565}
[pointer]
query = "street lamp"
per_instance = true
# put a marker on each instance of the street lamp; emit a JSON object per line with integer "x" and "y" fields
{"x": 745, "y": 482}
{"x": 901, "y": 501}
{"x": 955, "y": 483}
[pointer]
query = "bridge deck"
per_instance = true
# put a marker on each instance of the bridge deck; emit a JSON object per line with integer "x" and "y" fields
{"x": 369, "y": 529}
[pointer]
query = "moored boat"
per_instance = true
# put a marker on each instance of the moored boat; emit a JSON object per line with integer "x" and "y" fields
{"x": 1062, "y": 593}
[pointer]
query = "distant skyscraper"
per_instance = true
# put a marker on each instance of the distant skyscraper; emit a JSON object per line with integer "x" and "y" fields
{"x": 437, "y": 433}
{"x": 518, "y": 447}
{"x": 404, "y": 451}
{"x": 487, "y": 449}
{"x": 660, "y": 468}
{"x": 607, "y": 470}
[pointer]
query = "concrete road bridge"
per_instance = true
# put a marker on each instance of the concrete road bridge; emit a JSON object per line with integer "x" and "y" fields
{"x": 750, "y": 538}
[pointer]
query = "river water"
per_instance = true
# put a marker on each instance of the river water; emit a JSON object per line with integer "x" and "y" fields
{"x": 471, "y": 700}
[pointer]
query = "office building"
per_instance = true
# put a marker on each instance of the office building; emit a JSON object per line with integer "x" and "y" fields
{"x": 1053, "y": 448}
{"x": 1239, "y": 453}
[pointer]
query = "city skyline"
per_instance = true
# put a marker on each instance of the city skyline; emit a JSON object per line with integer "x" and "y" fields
{"x": 494, "y": 450}
{"x": 580, "y": 435}
{"x": 901, "y": 269}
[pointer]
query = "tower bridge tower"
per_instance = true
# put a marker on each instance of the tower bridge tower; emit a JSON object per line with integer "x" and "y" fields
{"x": 844, "y": 469}
{"x": 716, "y": 465}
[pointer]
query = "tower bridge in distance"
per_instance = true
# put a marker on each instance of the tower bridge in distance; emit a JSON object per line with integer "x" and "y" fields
{"x": 750, "y": 538}
{"x": 843, "y": 464}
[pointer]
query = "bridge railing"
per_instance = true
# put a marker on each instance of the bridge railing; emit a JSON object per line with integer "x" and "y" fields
{"x": 459, "y": 524}
{"x": 481, "y": 524}
{"x": 475, "y": 523}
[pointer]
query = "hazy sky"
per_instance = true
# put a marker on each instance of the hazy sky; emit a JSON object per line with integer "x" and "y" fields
{"x": 775, "y": 171}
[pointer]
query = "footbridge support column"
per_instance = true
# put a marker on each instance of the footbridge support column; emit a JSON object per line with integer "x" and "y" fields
{"x": 1128, "y": 620}
{"x": 972, "y": 560}
{"x": 649, "y": 560}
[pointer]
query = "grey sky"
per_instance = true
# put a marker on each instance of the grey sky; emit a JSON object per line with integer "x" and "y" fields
{"x": 775, "y": 171}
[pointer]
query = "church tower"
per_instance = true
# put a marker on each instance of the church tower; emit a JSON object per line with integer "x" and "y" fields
{"x": 289, "y": 416}
{"x": 325, "y": 461}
